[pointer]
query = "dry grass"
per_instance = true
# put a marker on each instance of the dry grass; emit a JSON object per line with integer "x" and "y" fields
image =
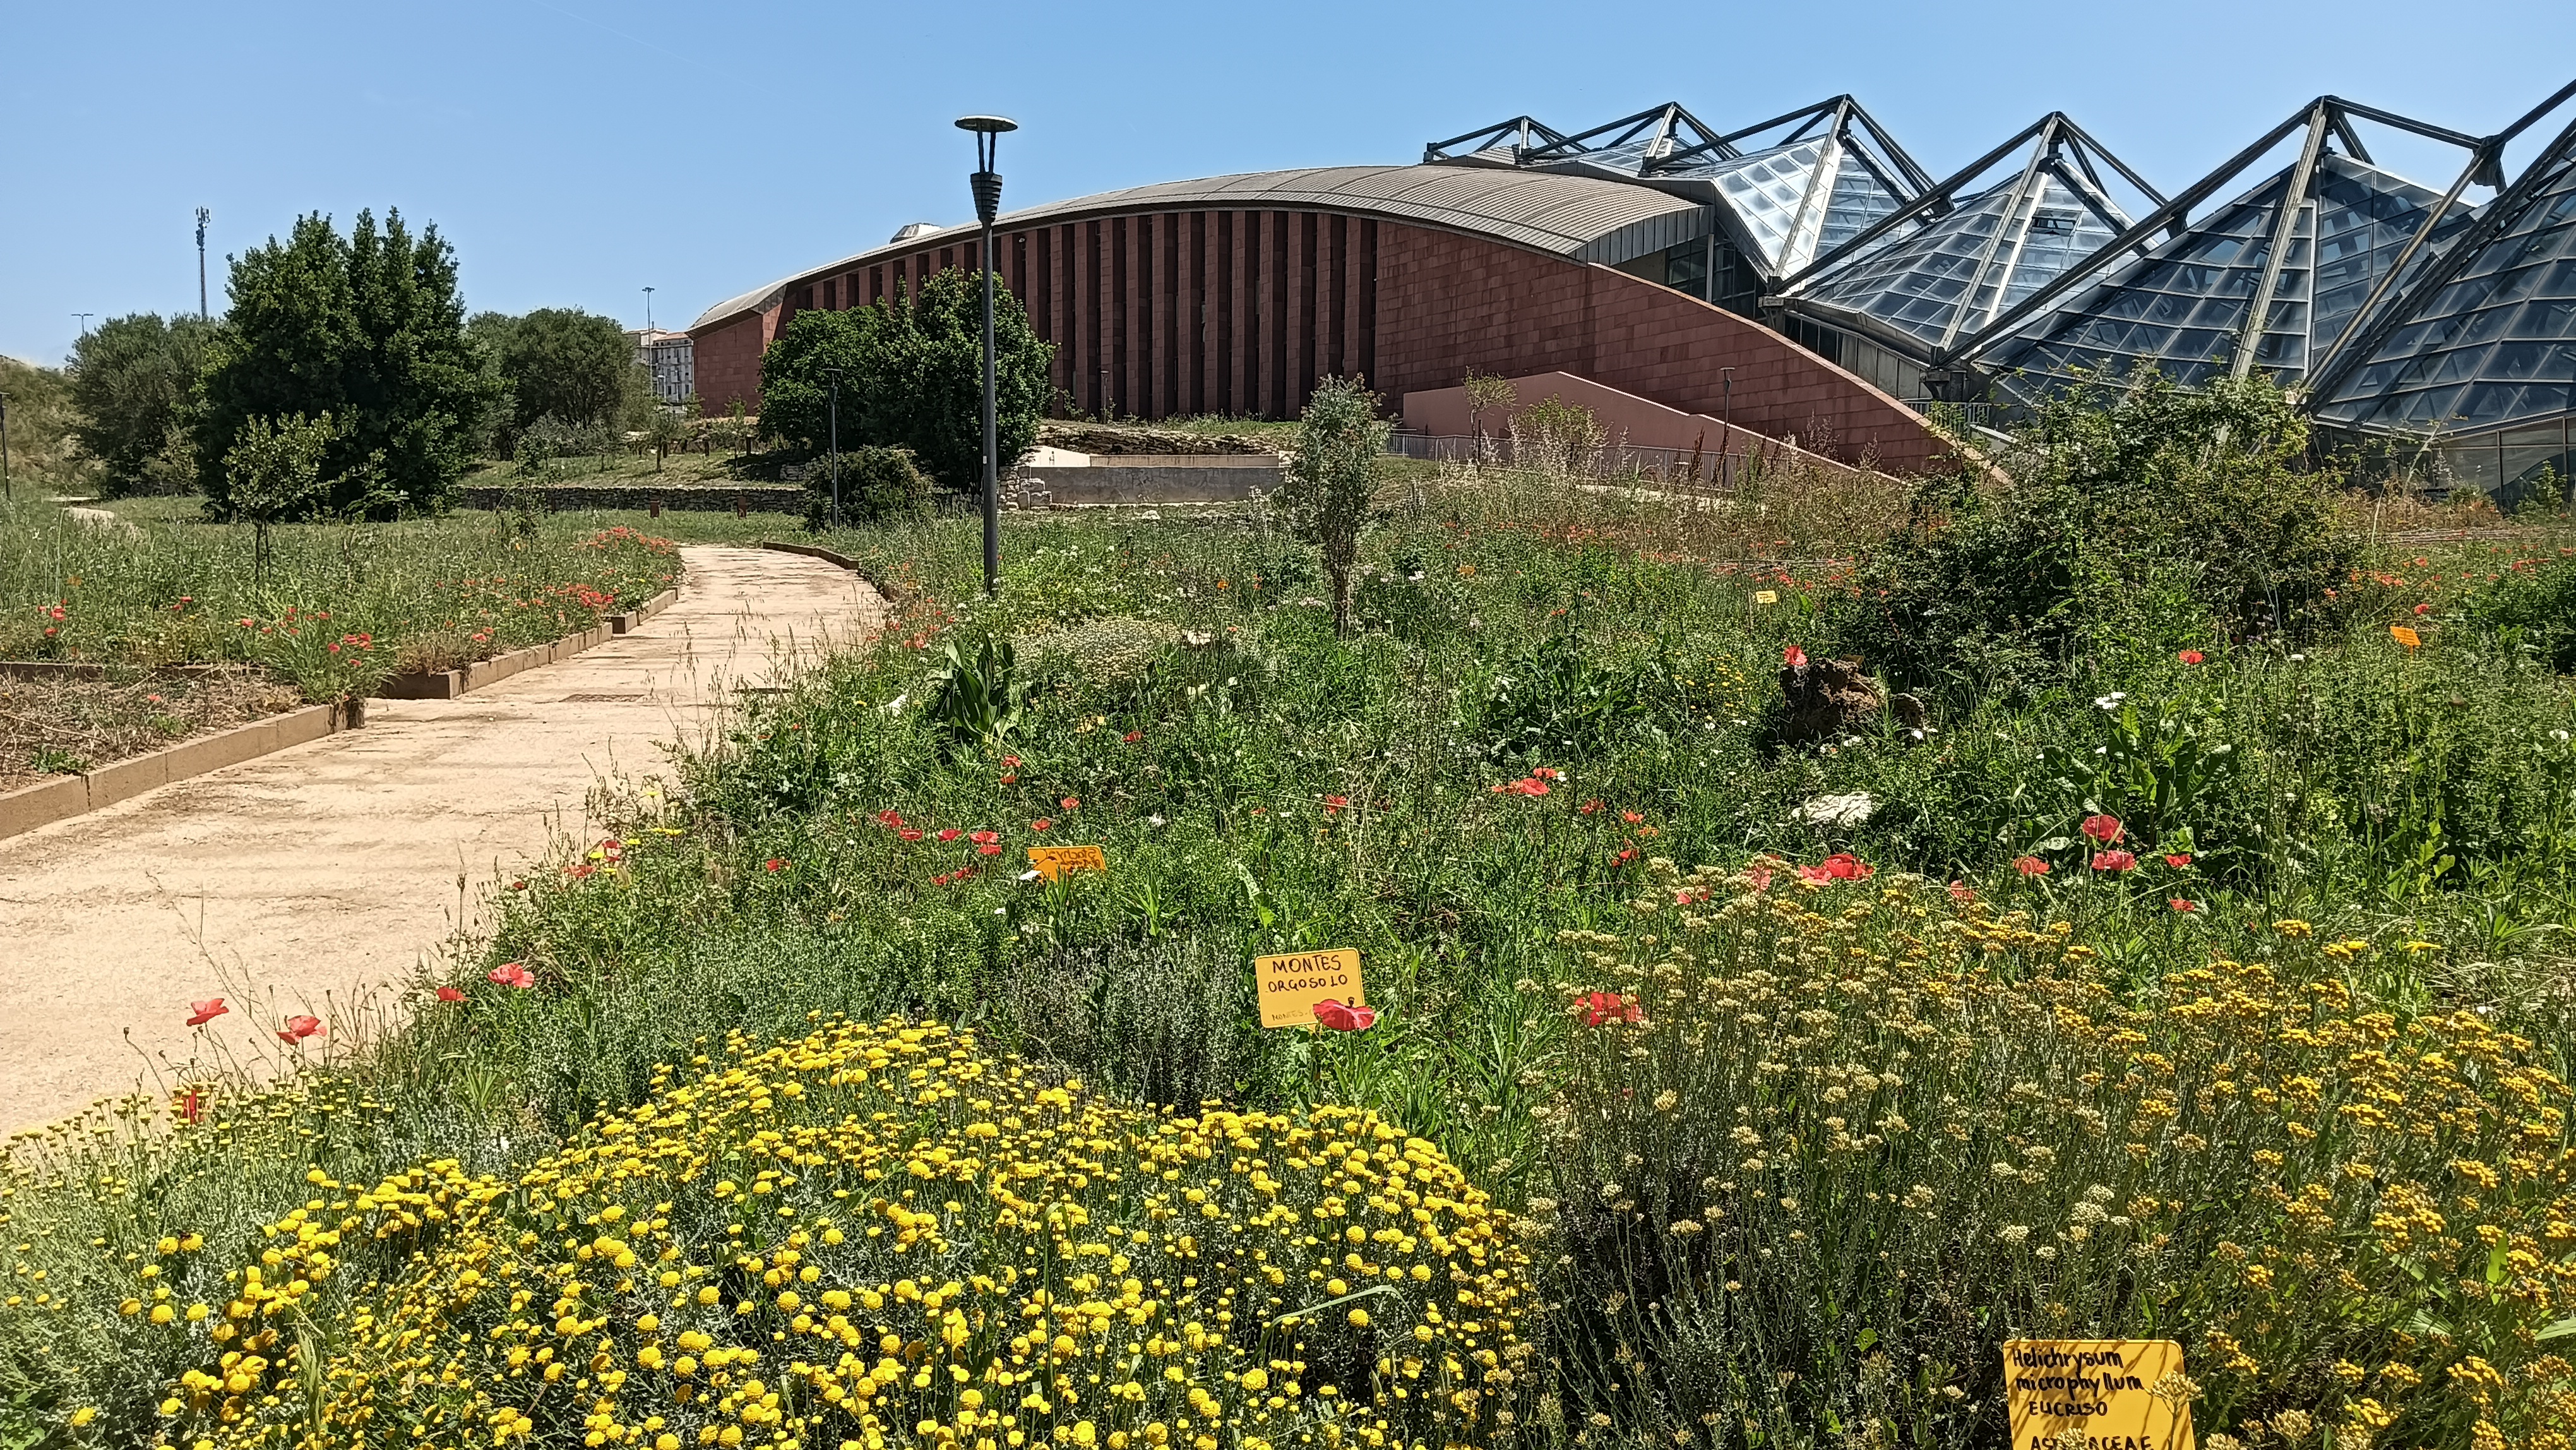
{"x": 49, "y": 727}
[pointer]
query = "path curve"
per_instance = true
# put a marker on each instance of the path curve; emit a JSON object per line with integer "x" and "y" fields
{"x": 303, "y": 880}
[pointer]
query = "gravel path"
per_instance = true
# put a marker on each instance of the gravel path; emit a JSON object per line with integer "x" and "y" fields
{"x": 305, "y": 880}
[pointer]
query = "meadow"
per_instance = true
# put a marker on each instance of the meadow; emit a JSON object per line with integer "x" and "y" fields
{"x": 2184, "y": 960}
{"x": 328, "y": 608}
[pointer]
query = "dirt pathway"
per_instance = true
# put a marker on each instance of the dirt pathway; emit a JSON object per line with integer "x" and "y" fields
{"x": 300, "y": 881}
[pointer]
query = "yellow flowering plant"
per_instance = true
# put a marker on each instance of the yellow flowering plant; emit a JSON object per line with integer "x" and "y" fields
{"x": 1822, "y": 1146}
{"x": 887, "y": 1235}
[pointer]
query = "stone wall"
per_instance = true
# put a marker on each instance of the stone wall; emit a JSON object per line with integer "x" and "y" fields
{"x": 774, "y": 498}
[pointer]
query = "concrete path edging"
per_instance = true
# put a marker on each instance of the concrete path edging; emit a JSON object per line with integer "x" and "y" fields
{"x": 449, "y": 684}
{"x": 26, "y": 808}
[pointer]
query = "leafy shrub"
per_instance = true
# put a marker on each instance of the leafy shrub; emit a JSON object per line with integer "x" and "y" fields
{"x": 1820, "y": 1150}
{"x": 982, "y": 701}
{"x": 2156, "y": 521}
{"x": 877, "y": 484}
{"x": 883, "y": 1235}
{"x": 2535, "y": 601}
{"x": 131, "y": 378}
{"x": 1324, "y": 493}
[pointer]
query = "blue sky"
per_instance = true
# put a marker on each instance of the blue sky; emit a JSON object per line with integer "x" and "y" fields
{"x": 576, "y": 151}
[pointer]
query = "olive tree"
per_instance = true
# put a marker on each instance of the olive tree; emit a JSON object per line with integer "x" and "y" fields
{"x": 1331, "y": 478}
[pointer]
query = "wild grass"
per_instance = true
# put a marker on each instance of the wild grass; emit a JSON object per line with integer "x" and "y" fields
{"x": 330, "y": 607}
{"x": 1557, "y": 690}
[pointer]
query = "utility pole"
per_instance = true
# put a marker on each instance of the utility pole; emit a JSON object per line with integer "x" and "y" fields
{"x": 203, "y": 216}
{"x": 835, "y": 375}
{"x": 986, "y": 184}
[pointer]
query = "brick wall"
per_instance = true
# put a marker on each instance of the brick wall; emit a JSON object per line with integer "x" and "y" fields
{"x": 728, "y": 356}
{"x": 1155, "y": 314}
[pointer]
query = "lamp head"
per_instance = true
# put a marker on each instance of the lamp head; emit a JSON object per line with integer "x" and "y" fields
{"x": 989, "y": 125}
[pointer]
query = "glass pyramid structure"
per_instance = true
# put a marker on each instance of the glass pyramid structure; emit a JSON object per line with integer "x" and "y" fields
{"x": 2495, "y": 344}
{"x": 2183, "y": 308}
{"x": 1949, "y": 277}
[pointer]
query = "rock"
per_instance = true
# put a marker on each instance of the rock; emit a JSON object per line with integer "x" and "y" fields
{"x": 1910, "y": 710}
{"x": 1826, "y": 698}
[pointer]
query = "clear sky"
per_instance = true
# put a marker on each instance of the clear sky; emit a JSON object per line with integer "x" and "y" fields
{"x": 577, "y": 151}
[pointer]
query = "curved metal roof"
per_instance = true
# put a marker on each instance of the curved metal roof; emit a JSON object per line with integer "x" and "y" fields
{"x": 1580, "y": 218}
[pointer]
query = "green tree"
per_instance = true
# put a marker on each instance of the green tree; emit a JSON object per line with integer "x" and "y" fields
{"x": 43, "y": 424}
{"x": 566, "y": 364}
{"x": 913, "y": 377}
{"x": 367, "y": 328}
{"x": 273, "y": 475}
{"x": 132, "y": 378}
{"x": 1331, "y": 478}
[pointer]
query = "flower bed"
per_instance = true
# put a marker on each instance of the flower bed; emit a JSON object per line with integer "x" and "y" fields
{"x": 871, "y": 1235}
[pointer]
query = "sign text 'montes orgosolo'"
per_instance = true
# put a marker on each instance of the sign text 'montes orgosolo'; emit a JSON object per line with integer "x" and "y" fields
{"x": 2117, "y": 1394}
{"x": 1293, "y": 982}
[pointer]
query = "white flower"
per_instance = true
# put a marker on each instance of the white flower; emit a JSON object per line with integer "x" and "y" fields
{"x": 1852, "y": 809}
{"x": 2110, "y": 701}
{"x": 2013, "y": 1233}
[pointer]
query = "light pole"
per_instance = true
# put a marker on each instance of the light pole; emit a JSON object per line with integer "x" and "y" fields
{"x": 834, "y": 374}
{"x": 648, "y": 312}
{"x": 203, "y": 216}
{"x": 1726, "y": 428}
{"x": 7, "y": 489}
{"x": 987, "y": 184}
{"x": 84, "y": 321}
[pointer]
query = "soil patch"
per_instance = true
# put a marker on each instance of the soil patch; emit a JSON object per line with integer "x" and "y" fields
{"x": 62, "y": 726}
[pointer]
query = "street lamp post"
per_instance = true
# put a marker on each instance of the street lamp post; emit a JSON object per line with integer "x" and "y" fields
{"x": 834, "y": 375}
{"x": 7, "y": 489}
{"x": 1726, "y": 428}
{"x": 987, "y": 184}
{"x": 203, "y": 216}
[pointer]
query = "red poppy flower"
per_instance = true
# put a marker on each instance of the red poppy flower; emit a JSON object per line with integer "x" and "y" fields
{"x": 1631, "y": 817}
{"x": 773, "y": 864}
{"x": 951, "y": 834}
{"x": 1012, "y": 761}
{"x": 1624, "y": 857}
{"x": 988, "y": 849}
{"x": 583, "y": 869}
{"x": 1590, "y": 808}
{"x": 2423, "y": 609}
{"x": 2030, "y": 866}
{"x": 1334, "y": 804}
{"x": 1547, "y": 772}
{"x": 2113, "y": 861}
{"x": 1600, "y": 1007}
{"x": 1840, "y": 866}
{"x": 1962, "y": 892}
{"x": 450, "y": 994}
{"x": 298, "y": 1028}
{"x": 909, "y": 834}
{"x": 2105, "y": 829}
{"x": 1134, "y": 736}
{"x": 201, "y": 1013}
{"x": 190, "y": 1104}
{"x": 1040, "y": 824}
{"x": 1345, "y": 1017}
{"x": 2190, "y": 657}
{"x": 890, "y": 818}
{"x": 1758, "y": 877}
{"x": 1793, "y": 657}
{"x": 1010, "y": 780}
{"x": 2178, "y": 904}
{"x": 512, "y": 974}
{"x": 2179, "y": 861}
{"x": 985, "y": 838}
{"x": 1070, "y": 803}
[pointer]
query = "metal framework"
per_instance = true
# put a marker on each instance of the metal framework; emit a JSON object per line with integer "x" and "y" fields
{"x": 2278, "y": 277}
{"x": 1953, "y": 258}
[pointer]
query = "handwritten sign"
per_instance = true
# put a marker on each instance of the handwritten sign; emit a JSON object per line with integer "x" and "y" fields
{"x": 1053, "y": 861}
{"x": 2119, "y": 1394}
{"x": 1293, "y": 983}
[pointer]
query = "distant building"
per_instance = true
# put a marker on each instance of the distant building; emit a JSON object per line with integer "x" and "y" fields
{"x": 672, "y": 359}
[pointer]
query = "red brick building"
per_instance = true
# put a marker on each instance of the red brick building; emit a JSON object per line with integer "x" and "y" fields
{"x": 1234, "y": 295}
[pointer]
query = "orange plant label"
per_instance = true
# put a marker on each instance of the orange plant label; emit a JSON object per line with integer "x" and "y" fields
{"x": 2124, "y": 1392}
{"x": 1292, "y": 983}
{"x": 1053, "y": 861}
{"x": 2404, "y": 635}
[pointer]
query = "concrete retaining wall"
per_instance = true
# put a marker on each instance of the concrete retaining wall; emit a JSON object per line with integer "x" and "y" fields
{"x": 763, "y": 498}
{"x": 1158, "y": 478}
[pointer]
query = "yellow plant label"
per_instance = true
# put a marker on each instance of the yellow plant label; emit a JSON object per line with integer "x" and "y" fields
{"x": 2115, "y": 1394}
{"x": 1053, "y": 861}
{"x": 1293, "y": 983}
{"x": 1766, "y": 596}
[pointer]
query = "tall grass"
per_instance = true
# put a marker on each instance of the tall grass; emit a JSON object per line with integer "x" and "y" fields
{"x": 327, "y": 606}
